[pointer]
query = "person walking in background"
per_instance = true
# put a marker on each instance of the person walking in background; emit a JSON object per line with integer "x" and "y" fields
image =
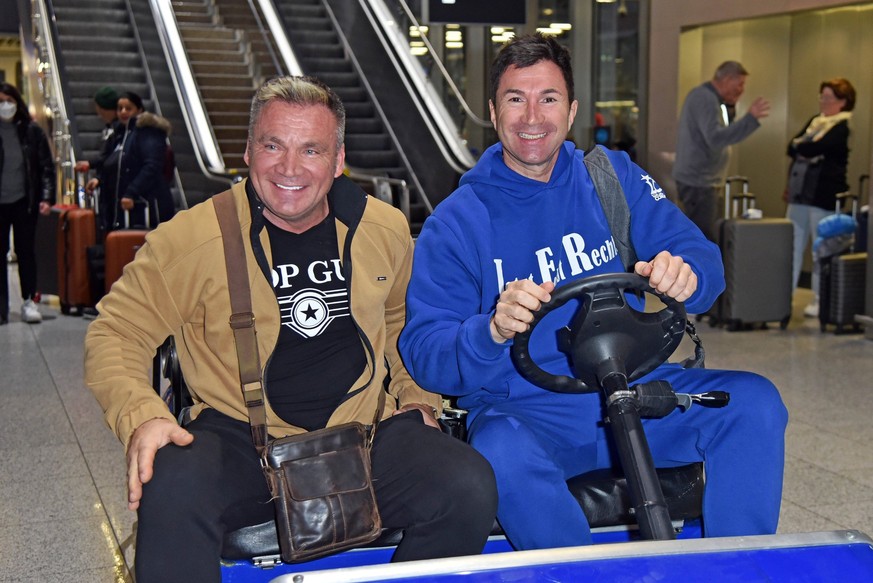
{"x": 139, "y": 174}
{"x": 707, "y": 129}
{"x": 27, "y": 187}
{"x": 819, "y": 161}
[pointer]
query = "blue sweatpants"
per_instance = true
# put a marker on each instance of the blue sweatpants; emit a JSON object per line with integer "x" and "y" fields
{"x": 535, "y": 443}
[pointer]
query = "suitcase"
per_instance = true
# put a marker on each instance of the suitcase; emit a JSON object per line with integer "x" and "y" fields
{"x": 76, "y": 232}
{"x": 46, "y": 243}
{"x": 861, "y": 235}
{"x": 757, "y": 264}
{"x": 120, "y": 248}
{"x": 842, "y": 278}
{"x": 842, "y": 287}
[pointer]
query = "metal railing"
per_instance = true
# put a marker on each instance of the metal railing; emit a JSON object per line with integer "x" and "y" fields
{"x": 51, "y": 91}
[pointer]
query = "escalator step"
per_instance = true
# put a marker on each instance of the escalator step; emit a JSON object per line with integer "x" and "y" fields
{"x": 319, "y": 23}
{"x": 359, "y": 109}
{"x": 368, "y": 142}
{"x": 348, "y": 94}
{"x": 313, "y": 37}
{"x": 316, "y": 51}
{"x": 369, "y": 159}
{"x": 340, "y": 80}
{"x": 363, "y": 126}
{"x": 329, "y": 65}
{"x": 91, "y": 15}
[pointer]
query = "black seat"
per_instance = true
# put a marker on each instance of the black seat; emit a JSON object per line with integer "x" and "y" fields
{"x": 602, "y": 494}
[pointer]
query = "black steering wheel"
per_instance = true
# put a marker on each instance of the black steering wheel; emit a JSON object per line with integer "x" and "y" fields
{"x": 606, "y": 335}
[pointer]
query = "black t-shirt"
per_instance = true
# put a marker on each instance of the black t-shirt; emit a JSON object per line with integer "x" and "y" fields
{"x": 319, "y": 354}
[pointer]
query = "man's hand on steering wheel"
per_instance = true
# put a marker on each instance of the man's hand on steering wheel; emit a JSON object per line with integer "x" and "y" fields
{"x": 515, "y": 307}
{"x": 669, "y": 274}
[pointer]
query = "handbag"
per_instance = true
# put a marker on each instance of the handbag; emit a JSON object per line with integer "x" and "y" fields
{"x": 321, "y": 481}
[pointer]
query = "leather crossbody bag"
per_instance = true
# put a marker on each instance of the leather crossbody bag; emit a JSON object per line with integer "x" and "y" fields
{"x": 321, "y": 480}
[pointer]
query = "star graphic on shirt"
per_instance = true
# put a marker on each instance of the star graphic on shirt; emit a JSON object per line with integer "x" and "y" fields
{"x": 657, "y": 191}
{"x": 310, "y": 312}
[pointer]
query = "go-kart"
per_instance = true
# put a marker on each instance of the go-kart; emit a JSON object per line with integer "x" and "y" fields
{"x": 610, "y": 344}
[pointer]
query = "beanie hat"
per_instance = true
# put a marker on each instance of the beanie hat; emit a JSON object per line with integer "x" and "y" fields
{"x": 106, "y": 97}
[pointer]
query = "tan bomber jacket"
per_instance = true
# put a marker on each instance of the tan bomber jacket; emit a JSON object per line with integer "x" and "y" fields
{"x": 177, "y": 285}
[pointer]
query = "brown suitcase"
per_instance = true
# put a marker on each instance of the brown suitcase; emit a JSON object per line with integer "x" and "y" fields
{"x": 121, "y": 247}
{"x": 76, "y": 232}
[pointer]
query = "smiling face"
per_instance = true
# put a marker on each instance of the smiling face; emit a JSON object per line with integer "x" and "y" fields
{"x": 126, "y": 110}
{"x": 293, "y": 160}
{"x": 532, "y": 116}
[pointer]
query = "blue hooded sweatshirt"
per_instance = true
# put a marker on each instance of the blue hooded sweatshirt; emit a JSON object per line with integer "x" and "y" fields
{"x": 499, "y": 226}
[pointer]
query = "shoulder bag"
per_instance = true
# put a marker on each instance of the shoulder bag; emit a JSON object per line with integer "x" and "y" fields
{"x": 321, "y": 480}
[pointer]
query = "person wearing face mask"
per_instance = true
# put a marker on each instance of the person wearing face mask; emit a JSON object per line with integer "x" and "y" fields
{"x": 27, "y": 187}
{"x": 707, "y": 128}
{"x": 819, "y": 162}
{"x": 136, "y": 173}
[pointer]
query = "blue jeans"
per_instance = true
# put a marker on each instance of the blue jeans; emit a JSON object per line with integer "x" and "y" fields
{"x": 805, "y": 218}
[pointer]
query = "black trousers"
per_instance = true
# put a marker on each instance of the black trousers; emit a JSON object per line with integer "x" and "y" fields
{"x": 700, "y": 205}
{"x": 23, "y": 225}
{"x": 435, "y": 487}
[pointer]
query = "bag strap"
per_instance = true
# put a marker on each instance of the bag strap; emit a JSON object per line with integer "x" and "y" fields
{"x": 614, "y": 203}
{"x": 242, "y": 322}
{"x": 242, "y": 318}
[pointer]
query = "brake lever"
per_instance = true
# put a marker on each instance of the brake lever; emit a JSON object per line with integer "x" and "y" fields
{"x": 712, "y": 399}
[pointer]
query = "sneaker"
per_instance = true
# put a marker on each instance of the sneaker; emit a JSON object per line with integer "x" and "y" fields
{"x": 30, "y": 313}
{"x": 811, "y": 311}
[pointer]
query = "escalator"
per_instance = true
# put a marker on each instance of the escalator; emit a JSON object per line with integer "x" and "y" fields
{"x": 386, "y": 134}
{"x": 114, "y": 42}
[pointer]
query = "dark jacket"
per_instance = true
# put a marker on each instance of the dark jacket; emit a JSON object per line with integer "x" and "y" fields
{"x": 142, "y": 174}
{"x": 826, "y": 177}
{"x": 39, "y": 165}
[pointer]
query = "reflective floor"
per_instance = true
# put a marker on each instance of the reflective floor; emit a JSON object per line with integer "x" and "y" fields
{"x": 63, "y": 516}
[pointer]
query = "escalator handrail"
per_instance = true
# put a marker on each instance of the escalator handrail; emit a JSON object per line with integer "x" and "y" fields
{"x": 376, "y": 105}
{"x": 206, "y": 151}
{"x": 66, "y": 141}
{"x": 442, "y": 68}
{"x": 274, "y": 24}
{"x": 266, "y": 37}
{"x": 422, "y": 92}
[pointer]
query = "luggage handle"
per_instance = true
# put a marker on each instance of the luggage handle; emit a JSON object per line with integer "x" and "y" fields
{"x": 841, "y": 198}
{"x": 148, "y": 222}
{"x": 727, "y": 193}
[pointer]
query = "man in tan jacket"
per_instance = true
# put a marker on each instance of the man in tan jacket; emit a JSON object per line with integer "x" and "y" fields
{"x": 328, "y": 268}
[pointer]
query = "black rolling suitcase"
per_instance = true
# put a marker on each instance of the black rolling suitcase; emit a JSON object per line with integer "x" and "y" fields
{"x": 757, "y": 264}
{"x": 842, "y": 281}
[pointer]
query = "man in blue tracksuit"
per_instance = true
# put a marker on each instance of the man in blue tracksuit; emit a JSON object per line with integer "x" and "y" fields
{"x": 525, "y": 219}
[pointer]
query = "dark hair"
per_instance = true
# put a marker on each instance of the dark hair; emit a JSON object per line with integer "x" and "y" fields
{"x": 842, "y": 90}
{"x": 133, "y": 98}
{"x": 299, "y": 91}
{"x": 21, "y": 114}
{"x": 528, "y": 50}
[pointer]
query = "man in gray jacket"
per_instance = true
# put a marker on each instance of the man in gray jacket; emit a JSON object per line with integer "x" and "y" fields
{"x": 706, "y": 130}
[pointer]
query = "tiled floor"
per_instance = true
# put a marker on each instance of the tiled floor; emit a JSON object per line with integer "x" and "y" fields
{"x": 63, "y": 516}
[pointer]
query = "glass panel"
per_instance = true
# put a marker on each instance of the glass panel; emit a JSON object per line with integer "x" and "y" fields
{"x": 616, "y": 80}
